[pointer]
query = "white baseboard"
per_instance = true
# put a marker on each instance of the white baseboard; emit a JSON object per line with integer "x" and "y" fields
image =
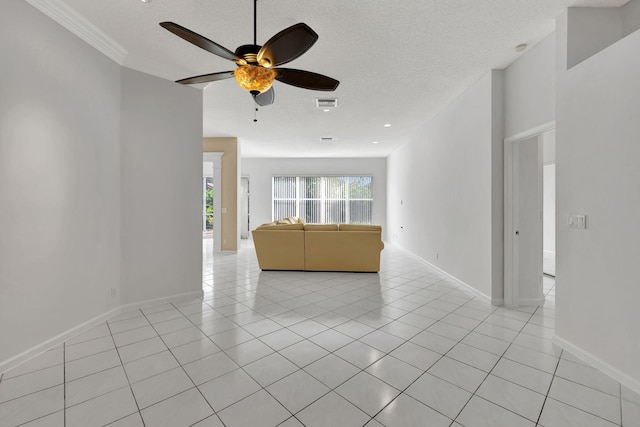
{"x": 77, "y": 330}
{"x": 473, "y": 290}
{"x": 532, "y": 301}
{"x": 624, "y": 379}
{"x": 58, "y": 339}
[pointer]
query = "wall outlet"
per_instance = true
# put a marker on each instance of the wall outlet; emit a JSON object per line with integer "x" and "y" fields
{"x": 113, "y": 292}
{"x": 224, "y": 242}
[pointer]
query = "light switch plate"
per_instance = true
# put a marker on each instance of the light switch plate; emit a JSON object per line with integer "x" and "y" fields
{"x": 577, "y": 221}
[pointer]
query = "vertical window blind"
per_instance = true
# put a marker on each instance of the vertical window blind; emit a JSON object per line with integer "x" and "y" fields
{"x": 323, "y": 199}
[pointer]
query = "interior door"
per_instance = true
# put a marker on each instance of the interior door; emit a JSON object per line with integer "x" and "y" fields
{"x": 528, "y": 220}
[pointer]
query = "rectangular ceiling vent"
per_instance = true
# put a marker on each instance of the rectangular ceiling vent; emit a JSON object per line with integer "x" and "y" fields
{"x": 326, "y": 102}
{"x": 326, "y": 139}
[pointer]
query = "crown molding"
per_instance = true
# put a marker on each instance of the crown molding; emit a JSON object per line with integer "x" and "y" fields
{"x": 64, "y": 15}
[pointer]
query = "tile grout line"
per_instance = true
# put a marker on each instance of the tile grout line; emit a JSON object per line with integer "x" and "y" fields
{"x": 181, "y": 367}
{"x": 621, "y": 411}
{"x": 283, "y": 327}
{"x": 330, "y": 352}
{"x": 549, "y": 389}
{"x": 64, "y": 383}
{"x": 489, "y": 373}
{"x": 405, "y": 340}
{"x": 126, "y": 376}
{"x": 221, "y": 351}
{"x": 427, "y": 371}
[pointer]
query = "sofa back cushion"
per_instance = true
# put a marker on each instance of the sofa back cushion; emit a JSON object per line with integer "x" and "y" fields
{"x": 272, "y": 226}
{"x": 290, "y": 220}
{"x": 321, "y": 227}
{"x": 360, "y": 227}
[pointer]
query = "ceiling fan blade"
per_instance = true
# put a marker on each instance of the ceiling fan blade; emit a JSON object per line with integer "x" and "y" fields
{"x": 200, "y": 41}
{"x": 206, "y": 78}
{"x": 287, "y": 45}
{"x": 265, "y": 98}
{"x": 306, "y": 79}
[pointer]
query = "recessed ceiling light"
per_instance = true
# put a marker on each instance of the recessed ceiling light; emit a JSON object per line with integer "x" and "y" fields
{"x": 145, "y": 1}
{"x": 374, "y": 142}
{"x": 388, "y": 125}
{"x": 326, "y": 110}
{"x": 521, "y": 47}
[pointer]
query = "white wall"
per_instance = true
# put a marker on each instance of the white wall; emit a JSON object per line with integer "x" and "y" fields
{"x": 440, "y": 189}
{"x": 59, "y": 180}
{"x": 597, "y": 174}
{"x": 260, "y": 171}
{"x": 630, "y": 17}
{"x": 591, "y": 29}
{"x": 530, "y": 89}
{"x": 161, "y": 183}
{"x": 83, "y": 211}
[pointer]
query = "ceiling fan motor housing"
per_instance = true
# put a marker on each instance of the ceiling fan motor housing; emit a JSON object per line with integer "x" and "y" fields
{"x": 249, "y": 52}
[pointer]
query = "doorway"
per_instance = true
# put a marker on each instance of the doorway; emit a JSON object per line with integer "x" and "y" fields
{"x": 244, "y": 207}
{"x": 212, "y": 180}
{"x": 549, "y": 204}
{"x": 524, "y": 159}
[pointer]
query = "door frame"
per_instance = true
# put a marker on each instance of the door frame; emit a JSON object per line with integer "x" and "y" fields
{"x": 511, "y": 168}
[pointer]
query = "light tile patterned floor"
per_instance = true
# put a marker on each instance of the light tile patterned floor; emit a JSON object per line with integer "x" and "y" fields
{"x": 405, "y": 347}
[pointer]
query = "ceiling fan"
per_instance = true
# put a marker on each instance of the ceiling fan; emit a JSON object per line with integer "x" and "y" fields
{"x": 259, "y": 66}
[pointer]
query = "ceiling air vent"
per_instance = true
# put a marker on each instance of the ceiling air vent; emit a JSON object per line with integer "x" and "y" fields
{"x": 326, "y": 102}
{"x": 326, "y": 139}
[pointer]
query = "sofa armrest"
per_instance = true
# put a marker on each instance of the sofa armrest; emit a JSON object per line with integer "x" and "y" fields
{"x": 279, "y": 249}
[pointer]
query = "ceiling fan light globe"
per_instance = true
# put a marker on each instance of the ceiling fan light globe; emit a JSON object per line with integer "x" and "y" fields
{"x": 254, "y": 78}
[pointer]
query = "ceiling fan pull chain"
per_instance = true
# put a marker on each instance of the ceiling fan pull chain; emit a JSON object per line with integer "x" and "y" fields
{"x": 255, "y": 115}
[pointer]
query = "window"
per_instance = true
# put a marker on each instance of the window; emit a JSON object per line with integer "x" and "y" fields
{"x": 323, "y": 199}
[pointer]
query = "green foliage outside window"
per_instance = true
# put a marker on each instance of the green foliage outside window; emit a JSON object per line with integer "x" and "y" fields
{"x": 209, "y": 206}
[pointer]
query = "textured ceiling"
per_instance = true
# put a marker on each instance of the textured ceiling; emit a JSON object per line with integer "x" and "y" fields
{"x": 397, "y": 62}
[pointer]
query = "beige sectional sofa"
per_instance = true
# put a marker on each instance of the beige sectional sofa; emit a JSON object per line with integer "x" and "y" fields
{"x": 294, "y": 245}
